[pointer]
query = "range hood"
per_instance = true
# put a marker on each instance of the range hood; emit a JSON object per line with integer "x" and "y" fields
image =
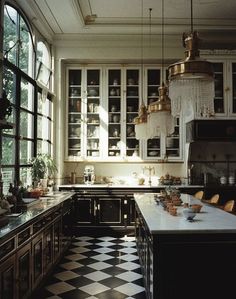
{"x": 211, "y": 130}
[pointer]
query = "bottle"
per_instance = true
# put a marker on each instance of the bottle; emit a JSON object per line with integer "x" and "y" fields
{"x": 73, "y": 178}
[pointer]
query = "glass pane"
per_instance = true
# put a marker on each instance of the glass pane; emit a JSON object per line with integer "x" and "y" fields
{"x": 43, "y": 54}
{"x": 9, "y": 84}
{"x": 8, "y": 175}
{"x": 10, "y": 33}
{"x": 8, "y": 151}
{"x": 25, "y": 176}
{"x": 39, "y": 126}
{"x": 40, "y": 103}
{"x": 43, "y": 125}
{"x": 26, "y": 151}
{"x": 44, "y": 74}
{"x": 26, "y": 124}
{"x": 25, "y": 50}
{"x": 43, "y": 147}
{"x": 11, "y": 119}
{"x": 27, "y": 95}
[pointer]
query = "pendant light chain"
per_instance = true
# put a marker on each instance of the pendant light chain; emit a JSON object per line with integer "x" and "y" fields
{"x": 162, "y": 41}
{"x": 191, "y": 15}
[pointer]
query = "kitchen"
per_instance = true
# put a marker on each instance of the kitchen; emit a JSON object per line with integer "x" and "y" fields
{"x": 98, "y": 49}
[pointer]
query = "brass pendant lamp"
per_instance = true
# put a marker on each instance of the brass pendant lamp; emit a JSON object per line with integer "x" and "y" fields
{"x": 160, "y": 119}
{"x": 191, "y": 84}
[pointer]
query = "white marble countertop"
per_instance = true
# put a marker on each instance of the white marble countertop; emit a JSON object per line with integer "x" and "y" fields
{"x": 68, "y": 186}
{"x": 209, "y": 220}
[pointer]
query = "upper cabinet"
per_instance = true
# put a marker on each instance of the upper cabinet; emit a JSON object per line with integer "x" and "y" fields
{"x": 225, "y": 88}
{"x": 102, "y": 102}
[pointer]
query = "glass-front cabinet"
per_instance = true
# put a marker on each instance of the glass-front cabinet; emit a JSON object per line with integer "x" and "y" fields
{"x": 132, "y": 102}
{"x": 225, "y": 88}
{"x": 102, "y": 102}
{"x": 160, "y": 147}
{"x": 115, "y": 112}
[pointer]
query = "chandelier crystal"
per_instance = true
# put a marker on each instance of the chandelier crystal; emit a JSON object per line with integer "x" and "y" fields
{"x": 160, "y": 120}
{"x": 191, "y": 81}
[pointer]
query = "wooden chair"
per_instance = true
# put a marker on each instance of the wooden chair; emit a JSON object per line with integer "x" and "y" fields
{"x": 229, "y": 206}
{"x": 214, "y": 200}
{"x": 199, "y": 194}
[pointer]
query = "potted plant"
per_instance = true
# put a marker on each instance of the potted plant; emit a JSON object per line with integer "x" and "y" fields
{"x": 43, "y": 168}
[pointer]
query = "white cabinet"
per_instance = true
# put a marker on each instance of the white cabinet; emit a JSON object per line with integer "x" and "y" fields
{"x": 163, "y": 147}
{"x": 102, "y": 102}
{"x": 225, "y": 89}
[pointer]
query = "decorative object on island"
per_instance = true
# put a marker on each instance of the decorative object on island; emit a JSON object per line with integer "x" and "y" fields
{"x": 192, "y": 80}
{"x": 43, "y": 168}
{"x": 160, "y": 120}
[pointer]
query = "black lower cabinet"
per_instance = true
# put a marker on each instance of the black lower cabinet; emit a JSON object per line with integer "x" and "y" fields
{"x": 7, "y": 279}
{"x": 23, "y": 259}
{"x": 185, "y": 265}
{"x": 100, "y": 210}
{"x": 28, "y": 256}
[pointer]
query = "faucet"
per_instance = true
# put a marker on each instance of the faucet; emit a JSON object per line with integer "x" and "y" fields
{"x": 150, "y": 171}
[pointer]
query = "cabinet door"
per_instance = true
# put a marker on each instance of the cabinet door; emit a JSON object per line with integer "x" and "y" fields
{"x": 132, "y": 103}
{"x": 57, "y": 227}
{"x": 84, "y": 211}
{"x": 74, "y": 103}
{"x": 24, "y": 270}
{"x": 219, "y": 100}
{"x": 93, "y": 127}
{"x": 110, "y": 211}
{"x": 37, "y": 255}
{"x": 48, "y": 249}
{"x": 8, "y": 278}
{"x": 233, "y": 99}
{"x": 67, "y": 226}
{"x": 173, "y": 145}
{"x": 115, "y": 113}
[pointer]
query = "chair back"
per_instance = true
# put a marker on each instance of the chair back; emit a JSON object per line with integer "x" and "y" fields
{"x": 229, "y": 206}
{"x": 199, "y": 194}
{"x": 214, "y": 199}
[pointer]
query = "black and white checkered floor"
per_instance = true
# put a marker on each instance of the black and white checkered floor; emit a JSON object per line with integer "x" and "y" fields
{"x": 97, "y": 268}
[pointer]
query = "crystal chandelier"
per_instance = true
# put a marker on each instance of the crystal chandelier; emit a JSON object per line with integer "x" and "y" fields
{"x": 160, "y": 120}
{"x": 191, "y": 86}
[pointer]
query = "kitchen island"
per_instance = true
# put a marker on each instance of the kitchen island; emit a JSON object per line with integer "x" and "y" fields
{"x": 182, "y": 259}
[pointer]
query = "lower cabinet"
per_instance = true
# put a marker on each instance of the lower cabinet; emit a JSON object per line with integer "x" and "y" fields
{"x": 23, "y": 259}
{"x": 8, "y": 284}
{"x": 27, "y": 257}
{"x": 185, "y": 265}
{"x": 145, "y": 250}
{"x": 100, "y": 210}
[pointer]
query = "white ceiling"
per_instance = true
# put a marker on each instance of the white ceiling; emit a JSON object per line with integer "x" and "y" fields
{"x": 130, "y": 17}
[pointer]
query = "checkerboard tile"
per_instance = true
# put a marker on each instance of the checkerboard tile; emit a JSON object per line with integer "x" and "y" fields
{"x": 97, "y": 268}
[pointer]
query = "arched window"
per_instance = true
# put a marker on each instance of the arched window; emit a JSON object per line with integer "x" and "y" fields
{"x": 18, "y": 47}
{"x": 31, "y": 116}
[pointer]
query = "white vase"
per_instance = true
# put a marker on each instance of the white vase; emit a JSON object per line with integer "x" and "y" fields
{"x": 44, "y": 183}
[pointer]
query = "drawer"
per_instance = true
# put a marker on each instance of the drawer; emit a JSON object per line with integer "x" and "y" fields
{"x": 7, "y": 248}
{"x": 23, "y": 236}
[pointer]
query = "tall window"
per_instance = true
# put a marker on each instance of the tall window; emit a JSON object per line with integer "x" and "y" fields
{"x": 32, "y": 105}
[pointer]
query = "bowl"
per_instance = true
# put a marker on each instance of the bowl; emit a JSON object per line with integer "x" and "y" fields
{"x": 189, "y": 214}
{"x": 196, "y": 208}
